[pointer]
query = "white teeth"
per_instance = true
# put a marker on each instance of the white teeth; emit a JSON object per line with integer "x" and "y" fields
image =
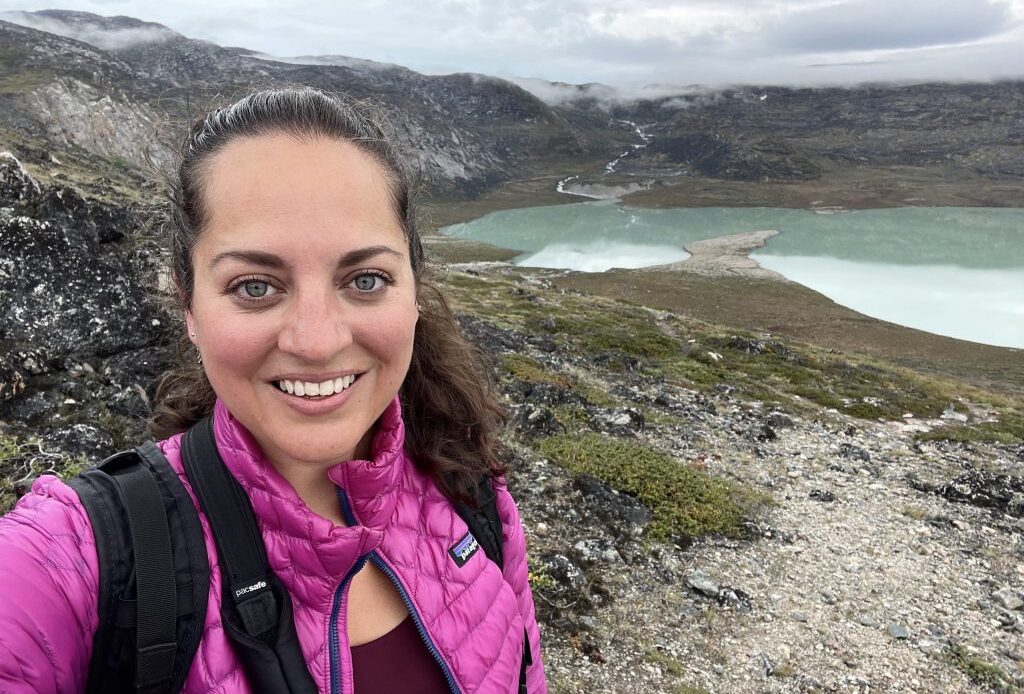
{"x": 307, "y": 389}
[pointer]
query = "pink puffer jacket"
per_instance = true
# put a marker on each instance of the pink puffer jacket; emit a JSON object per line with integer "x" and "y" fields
{"x": 473, "y": 616}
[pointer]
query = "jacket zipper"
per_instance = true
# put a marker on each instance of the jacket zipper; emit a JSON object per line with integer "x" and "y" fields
{"x": 339, "y": 592}
{"x": 346, "y": 512}
{"x": 335, "y": 609}
{"x": 377, "y": 561}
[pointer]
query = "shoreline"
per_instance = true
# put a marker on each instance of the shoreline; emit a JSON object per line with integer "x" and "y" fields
{"x": 725, "y": 256}
{"x": 727, "y": 293}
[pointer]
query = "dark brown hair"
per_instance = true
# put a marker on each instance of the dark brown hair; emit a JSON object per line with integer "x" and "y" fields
{"x": 451, "y": 414}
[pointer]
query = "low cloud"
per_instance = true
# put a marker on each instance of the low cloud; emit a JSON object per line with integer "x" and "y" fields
{"x": 95, "y": 34}
{"x": 645, "y": 42}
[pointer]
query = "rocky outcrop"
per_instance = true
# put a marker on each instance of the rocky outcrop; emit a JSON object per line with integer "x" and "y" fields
{"x": 466, "y": 133}
{"x": 74, "y": 302}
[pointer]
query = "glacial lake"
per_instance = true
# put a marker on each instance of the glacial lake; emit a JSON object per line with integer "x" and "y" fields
{"x": 956, "y": 271}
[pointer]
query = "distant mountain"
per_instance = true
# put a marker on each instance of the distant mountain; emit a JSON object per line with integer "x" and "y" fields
{"x": 116, "y": 87}
{"x": 106, "y": 85}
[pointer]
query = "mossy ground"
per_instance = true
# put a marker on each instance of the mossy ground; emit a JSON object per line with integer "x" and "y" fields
{"x": 785, "y": 373}
{"x": 685, "y": 501}
{"x": 978, "y": 670}
{"x": 24, "y": 459}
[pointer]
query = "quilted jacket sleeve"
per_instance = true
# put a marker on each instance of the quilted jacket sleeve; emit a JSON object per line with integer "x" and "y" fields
{"x": 48, "y": 579}
{"x": 515, "y": 571}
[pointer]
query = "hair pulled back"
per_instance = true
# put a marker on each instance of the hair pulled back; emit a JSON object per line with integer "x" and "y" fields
{"x": 451, "y": 414}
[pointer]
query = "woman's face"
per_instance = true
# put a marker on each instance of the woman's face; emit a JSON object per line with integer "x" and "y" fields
{"x": 303, "y": 286}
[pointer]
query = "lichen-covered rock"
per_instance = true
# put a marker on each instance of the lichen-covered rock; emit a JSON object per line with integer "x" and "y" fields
{"x": 60, "y": 292}
{"x": 17, "y": 187}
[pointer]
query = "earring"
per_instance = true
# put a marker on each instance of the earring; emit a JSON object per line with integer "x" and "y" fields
{"x": 199, "y": 358}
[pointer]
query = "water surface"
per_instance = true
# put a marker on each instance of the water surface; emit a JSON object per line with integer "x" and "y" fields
{"x": 952, "y": 271}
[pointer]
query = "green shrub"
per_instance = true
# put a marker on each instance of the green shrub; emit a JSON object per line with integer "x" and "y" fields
{"x": 685, "y": 502}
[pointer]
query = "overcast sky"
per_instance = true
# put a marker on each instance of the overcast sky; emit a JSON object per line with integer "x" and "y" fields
{"x": 626, "y": 43}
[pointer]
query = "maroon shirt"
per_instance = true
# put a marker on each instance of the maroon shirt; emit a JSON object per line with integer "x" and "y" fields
{"x": 397, "y": 663}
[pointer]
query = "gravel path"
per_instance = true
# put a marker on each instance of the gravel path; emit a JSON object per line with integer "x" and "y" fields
{"x": 857, "y": 581}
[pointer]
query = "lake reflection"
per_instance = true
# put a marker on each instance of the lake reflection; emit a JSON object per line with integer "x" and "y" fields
{"x": 602, "y": 255}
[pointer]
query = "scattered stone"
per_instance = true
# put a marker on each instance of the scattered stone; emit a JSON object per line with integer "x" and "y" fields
{"x": 735, "y": 599}
{"x": 621, "y": 422}
{"x": 1008, "y": 598}
{"x": 481, "y": 332}
{"x": 598, "y": 551}
{"x": 822, "y": 495}
{"x": 898, "y": 631}
{"x": 778, "y": 420}
{"x": 866, "y": 621}
{"x": 702, "y": 583}
{"x": 756, "y": 347}
{"x": 848, "y": 450}
{"x": 798, "y": 616}
{"x": 536, "y": 421}
{"x": 828, "y": 598}
{"x": 982, "y": 488}
{"x": 762, "y": 432}
{"x": 624, "y": 515}
{"x": 560, "y": 568}
{"x": 951, "y": 414}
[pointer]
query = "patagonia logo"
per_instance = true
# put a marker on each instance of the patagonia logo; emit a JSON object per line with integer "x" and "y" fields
{"x": 249, "y": 589}
{"x": 465, "y": 548}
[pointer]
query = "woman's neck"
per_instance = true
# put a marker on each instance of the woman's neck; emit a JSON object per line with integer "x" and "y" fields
{"x": 315, "y": 488}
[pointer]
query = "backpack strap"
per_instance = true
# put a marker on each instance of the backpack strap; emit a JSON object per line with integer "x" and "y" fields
{"x": 154, "y": 574}
{"x": 485, "y": 524}
{"x": 256, "y": 609}
{"x": 483, "y": 521}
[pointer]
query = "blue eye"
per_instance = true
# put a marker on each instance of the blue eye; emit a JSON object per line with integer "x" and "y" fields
{"x": 252, "y": 289}
{"x": 369, "y": 282}
{"x": 256, "y": 289}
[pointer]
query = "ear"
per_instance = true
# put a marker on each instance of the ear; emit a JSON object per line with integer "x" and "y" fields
{"x": 190, "y": 325}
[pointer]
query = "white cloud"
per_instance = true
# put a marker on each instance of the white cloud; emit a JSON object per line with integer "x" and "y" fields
{"x": 642, "y": 42}
{"x": 92, "y": 33}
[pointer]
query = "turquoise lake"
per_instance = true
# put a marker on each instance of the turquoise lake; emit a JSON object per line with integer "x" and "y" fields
{"x": 953, "y": 271}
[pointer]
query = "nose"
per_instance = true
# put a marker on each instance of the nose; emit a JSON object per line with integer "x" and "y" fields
{"x": 315, "y": 327}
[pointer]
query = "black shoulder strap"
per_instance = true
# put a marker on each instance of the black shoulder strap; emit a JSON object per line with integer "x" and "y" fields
{"x": 483, "y": 521}
{"x": 485, "y": 524}
{"x": 256, "y": 609}
{"x": 154, "y": 574}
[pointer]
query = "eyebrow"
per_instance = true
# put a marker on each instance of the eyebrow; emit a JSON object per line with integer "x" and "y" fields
{"x": 360, "y": 255}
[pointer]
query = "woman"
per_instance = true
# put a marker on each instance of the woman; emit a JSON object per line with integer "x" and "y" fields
{"x": 345, "y": 404}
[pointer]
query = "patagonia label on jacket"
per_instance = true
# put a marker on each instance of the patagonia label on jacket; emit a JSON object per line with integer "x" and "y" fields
{"x": 465, "y": 548}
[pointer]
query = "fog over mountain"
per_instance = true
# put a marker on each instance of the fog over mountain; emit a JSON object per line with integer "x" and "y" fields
{"x": 117, "y": 87}
{"x": 790, "y": 42}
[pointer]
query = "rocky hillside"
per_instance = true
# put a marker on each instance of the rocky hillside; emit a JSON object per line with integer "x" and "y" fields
{"x": 81, "y": 86}
{"x": 783, "y": 134}
{"x": 467, "y": 132}
{"x": 707, "y": 510}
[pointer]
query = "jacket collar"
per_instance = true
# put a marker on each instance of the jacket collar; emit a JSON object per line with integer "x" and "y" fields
{"x": 370, "y": 486}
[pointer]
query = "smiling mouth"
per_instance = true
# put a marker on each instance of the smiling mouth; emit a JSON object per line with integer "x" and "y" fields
{"x": 317, "y": 391}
